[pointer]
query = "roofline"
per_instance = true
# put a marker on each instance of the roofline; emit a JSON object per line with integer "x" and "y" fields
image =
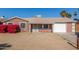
{"x": 48, "y": 18}
{"x": 65, "y": 22}
{"x": 15, "y": 17}
{"x": 52, "y": 23}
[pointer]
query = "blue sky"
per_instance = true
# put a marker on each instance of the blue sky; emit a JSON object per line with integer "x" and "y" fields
{"x": 30, "y": 12}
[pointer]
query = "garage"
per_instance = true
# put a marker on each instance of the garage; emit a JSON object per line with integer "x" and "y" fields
{"x": 59, "y": 27}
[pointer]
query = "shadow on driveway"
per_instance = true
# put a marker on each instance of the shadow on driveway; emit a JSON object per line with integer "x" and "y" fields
{"x": 4, "y": 46}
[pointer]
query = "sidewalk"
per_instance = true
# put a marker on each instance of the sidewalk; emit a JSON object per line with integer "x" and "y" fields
{"x": 70, "y": 37}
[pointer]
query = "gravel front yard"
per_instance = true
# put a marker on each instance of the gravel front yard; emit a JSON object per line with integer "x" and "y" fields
{"x": 34, "y": 41}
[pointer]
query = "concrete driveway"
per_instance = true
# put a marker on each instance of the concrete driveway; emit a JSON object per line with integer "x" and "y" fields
{"x": 34, "y": 41}
{"x": 70, "y": 37}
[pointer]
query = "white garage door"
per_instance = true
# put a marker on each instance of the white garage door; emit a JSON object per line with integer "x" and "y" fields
{"x": 59, "y": 27}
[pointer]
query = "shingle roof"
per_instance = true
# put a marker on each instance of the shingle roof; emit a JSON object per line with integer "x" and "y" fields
{"x": 14, "y": 18}
{"x": 38, "y": 20}
{"x": 48, "y": 20}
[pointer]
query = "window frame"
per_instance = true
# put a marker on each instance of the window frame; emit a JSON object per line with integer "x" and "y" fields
{"x": 21, "y": 23}
{"x": 10, "y": 22}
{"x": 45, "y": 27}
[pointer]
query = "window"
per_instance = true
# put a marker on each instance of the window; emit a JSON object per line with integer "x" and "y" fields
{"x": 10, "y": 23}
{"x": 39, "y": 26}
{"x": 45, "y": 26}
{"x": 22, "y": 25}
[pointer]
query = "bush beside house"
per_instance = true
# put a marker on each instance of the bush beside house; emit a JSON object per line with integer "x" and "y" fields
{"x": 9, "y": 28}
{"x": 13, "y": 28}
{"x": 3, "y": 28}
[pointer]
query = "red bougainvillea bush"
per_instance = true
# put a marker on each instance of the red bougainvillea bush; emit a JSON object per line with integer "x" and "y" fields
{"x": 9, "y": 28}
{"x": 3, "y": 28}
{"x": 12, "y": 28}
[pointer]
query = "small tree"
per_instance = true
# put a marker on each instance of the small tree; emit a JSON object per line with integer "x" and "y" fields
{"x": 65, "y": 14}
{"x": 75, "y": 13}
{"x": 69, "y": 15}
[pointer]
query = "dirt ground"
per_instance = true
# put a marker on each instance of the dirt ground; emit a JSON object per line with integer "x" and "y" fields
{"x": 34, "y": 41}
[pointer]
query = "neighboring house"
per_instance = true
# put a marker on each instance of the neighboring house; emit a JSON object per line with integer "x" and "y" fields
{"x": 43, "y": 24}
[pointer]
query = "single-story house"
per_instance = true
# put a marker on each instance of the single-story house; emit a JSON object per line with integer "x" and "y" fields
{"x": 38, "y": 24}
